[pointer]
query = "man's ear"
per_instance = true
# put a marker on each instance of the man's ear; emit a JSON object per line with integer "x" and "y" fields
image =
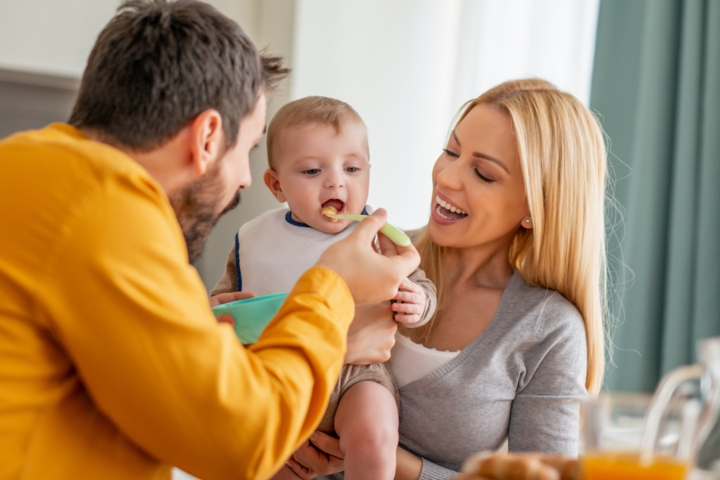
{"x": 273, "y": 183}
{"x": 207, "y": 140}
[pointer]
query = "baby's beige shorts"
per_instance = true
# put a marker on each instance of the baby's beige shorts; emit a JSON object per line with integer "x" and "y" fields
{"x": 349, "y": 376}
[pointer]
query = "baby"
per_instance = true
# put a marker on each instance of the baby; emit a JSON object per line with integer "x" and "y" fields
{"x": 318, "y": 155}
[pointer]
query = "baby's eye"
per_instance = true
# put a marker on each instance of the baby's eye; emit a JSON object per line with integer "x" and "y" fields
{"x": 352, "y": 169}
{"x": 312, "y": 171}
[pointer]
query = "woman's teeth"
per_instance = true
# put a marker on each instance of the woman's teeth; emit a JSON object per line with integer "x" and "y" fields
{"x": 439, "y": 212}
{"x": 447, "y": 206}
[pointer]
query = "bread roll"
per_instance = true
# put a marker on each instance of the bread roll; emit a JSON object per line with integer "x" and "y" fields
{"x": 524, "y": 466}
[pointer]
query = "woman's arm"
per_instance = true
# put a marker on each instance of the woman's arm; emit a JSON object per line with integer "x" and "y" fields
{"x": 409, "y": 467}
{"x": 545, "y": 415}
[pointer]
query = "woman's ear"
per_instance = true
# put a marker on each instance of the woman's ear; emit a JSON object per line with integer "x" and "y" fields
{"x": 527, "y": 222}
{"x": 207, "y": 140}
{"x": 273, "y": 183}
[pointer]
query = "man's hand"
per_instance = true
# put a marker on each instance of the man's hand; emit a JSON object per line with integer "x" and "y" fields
{"x": 227, "y": 298}
{"x": 371, "y": 335}
{"x": 410, "y": 302}
{"x": 371, "y": 277}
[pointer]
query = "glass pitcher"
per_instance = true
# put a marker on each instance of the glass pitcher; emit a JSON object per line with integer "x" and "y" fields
{"x": 658, "y": 437}
{"x": 699, "y": 418}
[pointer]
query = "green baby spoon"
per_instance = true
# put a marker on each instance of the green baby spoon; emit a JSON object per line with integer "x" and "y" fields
{"x": 397, "y": 236}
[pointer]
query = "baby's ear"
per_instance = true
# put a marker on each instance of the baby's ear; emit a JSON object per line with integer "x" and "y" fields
{"x": 273, "y": 183}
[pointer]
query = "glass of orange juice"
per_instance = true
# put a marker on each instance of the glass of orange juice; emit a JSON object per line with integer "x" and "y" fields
{"x": 613, "y": 427}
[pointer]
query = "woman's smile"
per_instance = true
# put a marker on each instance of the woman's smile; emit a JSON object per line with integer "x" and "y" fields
{"x": 445, "y": 212}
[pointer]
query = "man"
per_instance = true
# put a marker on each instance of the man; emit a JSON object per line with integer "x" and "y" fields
{"x": 111, "y": 363}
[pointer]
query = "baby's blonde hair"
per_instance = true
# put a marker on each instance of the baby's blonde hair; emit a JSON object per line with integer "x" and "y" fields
{"x": 307, "y": 111}
{"x": 563, "y": 160}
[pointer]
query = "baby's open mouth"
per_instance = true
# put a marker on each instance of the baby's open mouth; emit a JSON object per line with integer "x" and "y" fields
{"x": 339, "y": 205}
{"x": 447, "y": 211}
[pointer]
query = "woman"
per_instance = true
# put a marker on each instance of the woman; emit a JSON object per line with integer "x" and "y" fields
{"x": 516, "y": 246}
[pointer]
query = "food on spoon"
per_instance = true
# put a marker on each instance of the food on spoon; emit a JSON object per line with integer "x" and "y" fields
{"x": 330, "y": 211}
{"x": 393, "y": 233}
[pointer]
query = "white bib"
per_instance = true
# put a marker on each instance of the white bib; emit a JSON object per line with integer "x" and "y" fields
{"x": 273, "y": 251}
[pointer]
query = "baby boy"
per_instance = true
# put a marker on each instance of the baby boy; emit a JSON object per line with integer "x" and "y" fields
{"x": 318, "y": 156}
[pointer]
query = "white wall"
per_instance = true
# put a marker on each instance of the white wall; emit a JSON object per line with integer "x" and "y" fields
{"x": 508, "y": 39}
{"x": 389, "y": 61}
{"x": 407, "y": 66}
{"x": 55, "y": 37}
{"x": 50, "y": 36}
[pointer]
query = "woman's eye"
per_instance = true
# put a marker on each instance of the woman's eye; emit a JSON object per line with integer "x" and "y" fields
{"x": 483, "y": 177}
{"x": 454, "y": 155}
{"x": 352, "y": 169}
{"x": 312, "y": 171}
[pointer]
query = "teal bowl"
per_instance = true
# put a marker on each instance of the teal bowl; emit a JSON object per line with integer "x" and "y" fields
{"x": 251, "y": 315}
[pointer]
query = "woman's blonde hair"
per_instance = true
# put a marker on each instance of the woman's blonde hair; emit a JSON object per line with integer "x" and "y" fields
{"x": 563, "y": 159}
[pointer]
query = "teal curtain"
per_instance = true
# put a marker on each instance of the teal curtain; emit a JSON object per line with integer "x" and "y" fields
{"x": 656, "y": 87}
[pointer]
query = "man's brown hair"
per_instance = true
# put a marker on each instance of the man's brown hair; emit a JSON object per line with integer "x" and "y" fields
{"x": 307, "y": 111}
{"x": 158, "y": 64}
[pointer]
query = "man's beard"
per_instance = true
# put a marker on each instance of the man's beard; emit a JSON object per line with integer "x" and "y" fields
{"x": 196, "y": 208}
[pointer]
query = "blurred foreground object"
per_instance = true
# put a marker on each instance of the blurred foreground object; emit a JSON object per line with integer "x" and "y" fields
{"x": 658, "y": 437}
{"x": 523, "y": 466}
{"x": 613, "y": 427}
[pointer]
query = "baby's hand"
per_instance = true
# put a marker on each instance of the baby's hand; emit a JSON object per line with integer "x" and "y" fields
{"x": 410, "y": 302}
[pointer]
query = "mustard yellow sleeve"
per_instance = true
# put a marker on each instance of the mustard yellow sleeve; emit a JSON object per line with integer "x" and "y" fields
{"x": 133, "y": 316}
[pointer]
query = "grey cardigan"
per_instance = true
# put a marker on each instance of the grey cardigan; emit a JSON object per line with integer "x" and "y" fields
{"x": 522, "y": 379}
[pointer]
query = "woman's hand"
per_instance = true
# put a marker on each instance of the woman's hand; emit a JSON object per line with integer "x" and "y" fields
{"x": 371, "y": 335}
{"x": 324, "y": 457}
{"x": 286, "y": 473}
{"x": 321, "y": 457}
{"x": 408, "y": 466}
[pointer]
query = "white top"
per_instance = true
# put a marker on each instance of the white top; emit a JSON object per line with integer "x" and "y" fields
{"x": 411, "y": 361}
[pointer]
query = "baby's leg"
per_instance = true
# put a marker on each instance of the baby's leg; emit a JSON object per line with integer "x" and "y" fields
{"x": 367, "y": 424}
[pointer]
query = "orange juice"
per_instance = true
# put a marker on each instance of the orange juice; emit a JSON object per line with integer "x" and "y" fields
{"x": 627, "y": 466}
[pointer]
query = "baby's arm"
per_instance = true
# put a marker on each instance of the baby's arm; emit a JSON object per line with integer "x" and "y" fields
{"x": 228, "y": 282}
{"x": 417, "y": 300}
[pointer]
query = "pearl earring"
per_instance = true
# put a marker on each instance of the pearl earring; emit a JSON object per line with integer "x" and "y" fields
{"x": 527, "y": 221}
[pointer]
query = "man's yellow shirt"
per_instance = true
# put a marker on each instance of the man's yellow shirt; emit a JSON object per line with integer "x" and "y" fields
{"x": 111, "y": 363}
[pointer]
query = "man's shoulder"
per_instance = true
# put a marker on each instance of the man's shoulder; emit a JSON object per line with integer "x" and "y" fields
{"x": 55, "y": 176}
{"x": 61, "y": 157}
